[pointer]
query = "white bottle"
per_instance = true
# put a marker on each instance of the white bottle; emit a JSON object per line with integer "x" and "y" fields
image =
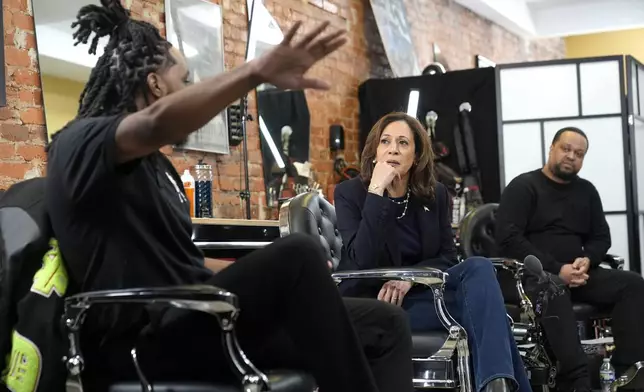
{"x": 189, "y": 186}
{"x": 606, "y": 375}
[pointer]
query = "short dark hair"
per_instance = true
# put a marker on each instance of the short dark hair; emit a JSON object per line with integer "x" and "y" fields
{"x": 570, "y": 129}
{"x": 134, "y": 50}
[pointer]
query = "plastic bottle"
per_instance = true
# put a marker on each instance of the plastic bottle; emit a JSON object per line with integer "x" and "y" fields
{"x": 189, "y": 186}
{"x": 456, "y": 210}
{"x": 203, "y": 194}
{"x": 606, "y": 375}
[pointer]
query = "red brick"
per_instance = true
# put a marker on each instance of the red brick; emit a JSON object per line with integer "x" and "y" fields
{"x": 6, "y": 113}
{"x": 16, "y": 5}
{"x": 23, "y": 21}
{"x": 14, "y": 170}
{"x": 15, "y": 56}
{"x": 33, "y": 116}
{"x": 29, "y": 152}
{"x": 26, "y": 77}
{"x": 7, "y": 150}
{"x": 14, "y": 132}
{"x": 31, "y": 97}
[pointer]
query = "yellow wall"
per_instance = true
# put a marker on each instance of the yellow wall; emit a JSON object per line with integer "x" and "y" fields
{"x": 610, "y": 43}
{"x": 61, "y": 101}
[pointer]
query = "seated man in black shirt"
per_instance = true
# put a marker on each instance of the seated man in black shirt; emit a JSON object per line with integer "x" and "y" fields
{"x": 122, "y": 222}
{"x": 555, "y": 215}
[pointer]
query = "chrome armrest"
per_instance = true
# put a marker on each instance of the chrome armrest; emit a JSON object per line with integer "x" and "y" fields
{"x": 422, "y": 275}
{"x": 204, "y": 298}
{"x": 614, "y": 262}
{"x": 518, "y": 269}
{"x": 431, "y": 277}
{"x": 507, "y": 264}
{"x": 231, "y": 245}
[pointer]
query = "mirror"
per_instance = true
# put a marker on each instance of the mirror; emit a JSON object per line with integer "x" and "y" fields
{"x": 65, "y": 68}
{"x": 195, "y": 27}
{"x": 283, "y": 119}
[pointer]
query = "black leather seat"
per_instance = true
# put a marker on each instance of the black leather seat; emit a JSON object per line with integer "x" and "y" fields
{"x": 24, "y": 236}
{"x": 426, "y": 344}
{"x": 477, "y": 239}
{"x": 313, "y": 215}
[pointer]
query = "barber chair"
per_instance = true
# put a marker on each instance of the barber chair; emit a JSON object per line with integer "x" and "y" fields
{"x": 440, "y": 358}
{"x": 19, "y": 233}
{"x": 477, "y": 239}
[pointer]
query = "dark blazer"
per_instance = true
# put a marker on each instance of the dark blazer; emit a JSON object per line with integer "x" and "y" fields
{"x": 367, "y": 222}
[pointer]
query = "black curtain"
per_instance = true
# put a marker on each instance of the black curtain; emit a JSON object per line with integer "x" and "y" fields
{"x": 443, "y": 94}
{"x": 280, "y": 108}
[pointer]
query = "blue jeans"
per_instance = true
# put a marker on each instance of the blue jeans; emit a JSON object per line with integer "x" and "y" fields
{"x": 473, "y": 297}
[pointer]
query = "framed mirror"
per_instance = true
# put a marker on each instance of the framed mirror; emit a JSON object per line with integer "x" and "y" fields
{"x": 64, "y": 68}
{"x": 195, "y": 27}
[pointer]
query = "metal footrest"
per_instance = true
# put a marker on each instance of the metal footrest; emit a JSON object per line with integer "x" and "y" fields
{"x": 431, "y": 373}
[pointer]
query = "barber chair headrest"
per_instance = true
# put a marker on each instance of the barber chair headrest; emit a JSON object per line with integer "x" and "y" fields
{"x": 311, "y": 214}
{"x": 477, "y": 232}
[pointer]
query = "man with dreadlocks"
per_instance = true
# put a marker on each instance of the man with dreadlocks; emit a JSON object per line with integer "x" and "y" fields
{"x": 122, "y": 223}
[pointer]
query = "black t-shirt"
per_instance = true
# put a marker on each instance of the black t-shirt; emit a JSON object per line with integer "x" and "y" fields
{"x": 555, "y": 222}
{"x": 118, "y": 226}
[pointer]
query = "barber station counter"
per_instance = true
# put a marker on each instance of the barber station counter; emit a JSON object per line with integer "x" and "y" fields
{"x": 233, "y": 238}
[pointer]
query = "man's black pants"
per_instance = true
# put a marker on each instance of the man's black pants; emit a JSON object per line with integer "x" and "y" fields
{"x": 292, "y": 316}
{"x": 619, "y": 292}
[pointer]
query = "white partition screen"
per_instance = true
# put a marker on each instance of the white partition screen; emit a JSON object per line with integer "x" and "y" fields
{"x": 635, "y": 77}
{"x": 538, "y": 99}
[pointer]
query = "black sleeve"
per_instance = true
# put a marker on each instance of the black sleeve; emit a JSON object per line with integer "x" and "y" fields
{"x": 447, "y": 246}
{"x": 82, "y": 157}
{"x": 363, "y": 231}
{"x": 516, "y": 207}
{"x": 598, "y": 241}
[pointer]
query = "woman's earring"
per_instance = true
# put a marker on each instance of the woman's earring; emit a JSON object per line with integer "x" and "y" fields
{"x": 374, "y": 161}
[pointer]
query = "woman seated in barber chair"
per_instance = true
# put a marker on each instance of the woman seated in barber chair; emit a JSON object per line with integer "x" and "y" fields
{"x": 396, "y": 214}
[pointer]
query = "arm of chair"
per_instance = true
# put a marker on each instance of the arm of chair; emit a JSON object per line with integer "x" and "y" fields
{"x": 507, "y": 264}
{"x": 430, "y": 277}
{"x": 204, "y": 298}
{"x": 613, "y": 261}
{"x": 517, "y": 269}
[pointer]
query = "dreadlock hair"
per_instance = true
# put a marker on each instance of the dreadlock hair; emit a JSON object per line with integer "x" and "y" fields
{"x": 134, "y": 50}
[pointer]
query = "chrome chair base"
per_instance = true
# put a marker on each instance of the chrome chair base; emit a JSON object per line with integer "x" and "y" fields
{"x": 432, "y": 373}
{"x": 628, "y": 376}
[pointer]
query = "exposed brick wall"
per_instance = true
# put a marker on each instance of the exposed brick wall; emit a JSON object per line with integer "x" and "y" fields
{"x": 459, "y": 33}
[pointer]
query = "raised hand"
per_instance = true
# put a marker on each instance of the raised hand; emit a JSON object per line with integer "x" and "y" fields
{"x": 286, "y": 64}
{"x": 383, "y": 175}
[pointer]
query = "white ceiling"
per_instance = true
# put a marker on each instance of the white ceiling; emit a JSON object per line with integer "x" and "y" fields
{"x": 560, "y": 18}
{"x": 56, "y": 51}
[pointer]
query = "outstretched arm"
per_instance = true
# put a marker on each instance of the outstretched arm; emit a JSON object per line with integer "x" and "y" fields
{"x": 177, "y": 115}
